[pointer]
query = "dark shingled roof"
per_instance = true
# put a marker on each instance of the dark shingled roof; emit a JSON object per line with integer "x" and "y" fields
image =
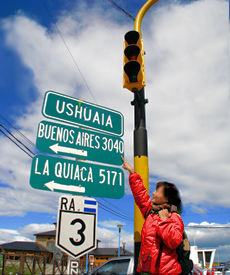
{"x": 25, "y": 246}
{"x": 109, "y": 252}
{"x": 33, "y": 246}
{"x": 47, "y": 233}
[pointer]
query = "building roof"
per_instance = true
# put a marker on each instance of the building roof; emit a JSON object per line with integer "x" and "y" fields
{"x": 25, "y": 246}
{"x": 109, "y": 252}
{"x": 46, "y": 233}
{"x": 33, "y": 246}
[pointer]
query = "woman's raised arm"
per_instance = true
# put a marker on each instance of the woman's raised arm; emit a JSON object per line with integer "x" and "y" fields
{"x": 141, "y": 197}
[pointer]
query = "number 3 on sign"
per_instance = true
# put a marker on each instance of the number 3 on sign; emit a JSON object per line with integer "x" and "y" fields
{"x": 76, "y": 225}
{"x": 79, "y": 232}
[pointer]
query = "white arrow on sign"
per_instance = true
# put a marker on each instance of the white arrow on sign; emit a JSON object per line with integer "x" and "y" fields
{"x": 56, "y": 148}
{"x": 53, "y": 185}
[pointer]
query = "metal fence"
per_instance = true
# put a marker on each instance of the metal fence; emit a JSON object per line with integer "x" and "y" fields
{"x": 33, "y": 265}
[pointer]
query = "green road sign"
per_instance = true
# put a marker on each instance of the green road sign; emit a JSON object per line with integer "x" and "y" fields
{"x": 76, "y": 177}
{"x": 83, "y": 144}
{"x": 78, "y": 112}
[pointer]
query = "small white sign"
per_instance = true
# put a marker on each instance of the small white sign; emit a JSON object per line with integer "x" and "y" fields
{"x": 73, "y": 266}
{"x": 91, "y": 259}
{"x": 77, "y": 224}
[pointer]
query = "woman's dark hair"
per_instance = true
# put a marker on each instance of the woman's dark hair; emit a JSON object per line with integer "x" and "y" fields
{"x": 171, "y": 193}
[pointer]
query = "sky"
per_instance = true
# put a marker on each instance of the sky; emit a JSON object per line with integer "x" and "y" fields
{"x": 76, "y": 48}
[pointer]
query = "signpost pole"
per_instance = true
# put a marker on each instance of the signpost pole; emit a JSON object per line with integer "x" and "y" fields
{"x": 119, "y": 237}
{"x": 119, "y": 243}
{"x": 86, "y": 263}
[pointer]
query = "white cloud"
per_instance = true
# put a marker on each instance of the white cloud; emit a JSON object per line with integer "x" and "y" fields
{"x": 109, "y": 238}
{"x": 9, "y": 235}
{"x": 211, "y": 235}
{"x": 198, "y": 209}
{"x": 33, "y": 228}
{"x": 59, "y": 74}
{"x": 188, "y": 109}
{"x": 111, "y": 223}
{"x": 189, "y": 99}
{"x": 25, "y": 233}
{"x": 222, "y": 253}
{"x": 208, "y": 234}
{"x": 19, "y": 197}
{"x": 206, "y": 237}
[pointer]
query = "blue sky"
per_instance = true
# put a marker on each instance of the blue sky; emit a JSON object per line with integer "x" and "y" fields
{"x": 187, "y": 113}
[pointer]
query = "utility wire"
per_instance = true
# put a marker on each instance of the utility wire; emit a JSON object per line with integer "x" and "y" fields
{"x": 71, "y": 55}
{"x": 115, "y": 207}
{"x": 124, "y": 216}
{"x": 113, "y": 212}
{"x": 123, "y": 10}
{"x": 121, "y": 215}
{"x": 67, "y": 47}
{"x": 20, "y": 133}
{"x": 16, "y": 138}
{"x": 101, "y": 205}
{"x": 16, "y": 143}
{"x": 106, "y": 209}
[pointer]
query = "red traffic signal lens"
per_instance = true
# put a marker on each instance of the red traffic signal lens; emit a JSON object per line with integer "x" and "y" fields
{"x": 132, "y": 52}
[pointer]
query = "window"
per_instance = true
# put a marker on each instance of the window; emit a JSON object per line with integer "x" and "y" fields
{"x": 114, "y": 267}
{"x": 208, "y": 255}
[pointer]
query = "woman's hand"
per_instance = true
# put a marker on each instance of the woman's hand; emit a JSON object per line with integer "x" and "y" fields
{"x": 164, "y": 214}
{"x": 127, "y": 166}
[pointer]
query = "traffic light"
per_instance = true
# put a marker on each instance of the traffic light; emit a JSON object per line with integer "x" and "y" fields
{"x": 134, "y": 66}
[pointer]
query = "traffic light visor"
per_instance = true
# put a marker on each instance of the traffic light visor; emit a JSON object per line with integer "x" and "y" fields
{"x": 131, "y": 69}
{"x": 132, "y": 37}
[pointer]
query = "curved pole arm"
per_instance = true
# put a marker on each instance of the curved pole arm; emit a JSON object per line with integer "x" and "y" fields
{"x": 141, "y": 13}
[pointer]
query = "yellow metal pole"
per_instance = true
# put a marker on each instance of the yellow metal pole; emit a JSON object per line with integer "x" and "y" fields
{"x": 141, "y": 13}
{"x": 140, "y": 143}
{"x": 140, "y": 164}
{"x": 140, "y": 167}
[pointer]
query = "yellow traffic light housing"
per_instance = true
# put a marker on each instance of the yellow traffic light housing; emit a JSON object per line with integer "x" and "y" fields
{"x": 134, "y": 65}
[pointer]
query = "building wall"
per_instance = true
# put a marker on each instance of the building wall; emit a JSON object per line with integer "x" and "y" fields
{"x": 15, "y": 255}
{"x": 44, "y": 239}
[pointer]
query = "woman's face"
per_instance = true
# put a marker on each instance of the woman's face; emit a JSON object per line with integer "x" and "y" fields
{"x": 159, "y": 196}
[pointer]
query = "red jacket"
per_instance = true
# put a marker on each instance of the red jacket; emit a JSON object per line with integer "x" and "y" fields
{"x": 155, "y": 230}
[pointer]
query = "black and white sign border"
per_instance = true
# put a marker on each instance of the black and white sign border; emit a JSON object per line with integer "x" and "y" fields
{"x": 59, "y": 232}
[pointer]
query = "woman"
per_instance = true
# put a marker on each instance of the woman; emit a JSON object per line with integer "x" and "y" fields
{"x": 162, "y": 231}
